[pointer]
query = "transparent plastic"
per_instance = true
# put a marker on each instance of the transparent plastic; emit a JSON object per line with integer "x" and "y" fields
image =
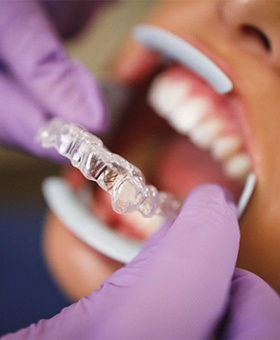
{"x": 123, "y": 181}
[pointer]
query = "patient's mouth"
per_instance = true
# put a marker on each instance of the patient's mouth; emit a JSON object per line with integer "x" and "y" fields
{"x": 186, "y": 104}
{"x": 206, "y": 144}
{"x": 203, "y": 144}
{"x": 194, "y": 98}
{"x": 198, "y": 137}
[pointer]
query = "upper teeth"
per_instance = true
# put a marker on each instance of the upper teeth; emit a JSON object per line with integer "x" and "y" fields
{"x": 196, "y": 107}
{"x": 190, "y": 116}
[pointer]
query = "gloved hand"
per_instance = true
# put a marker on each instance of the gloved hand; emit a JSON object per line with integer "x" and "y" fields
{"x": 38, "y": 80}
{"x": 181, "y": 286}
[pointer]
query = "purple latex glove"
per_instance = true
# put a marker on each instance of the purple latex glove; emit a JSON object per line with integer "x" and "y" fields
{"x": 71, "y": 17}
{"x": 181, "y": 286}
{"x": 254, "y": 309}
{"x": 38, "y": 80}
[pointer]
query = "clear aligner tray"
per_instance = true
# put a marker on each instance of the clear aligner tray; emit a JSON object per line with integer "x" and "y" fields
{"x": 123, "y": 181}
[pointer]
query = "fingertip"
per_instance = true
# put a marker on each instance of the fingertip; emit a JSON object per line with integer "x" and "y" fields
{"x": 81, "y": 100}
{"x": 213, "y": 196}
{"x": 210, "y": 214}
{"x": 213, "y": 189}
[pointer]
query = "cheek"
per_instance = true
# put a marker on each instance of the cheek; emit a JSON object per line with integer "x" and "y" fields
{"x": 177, "y": 13}
{"x": 260, "y": 86}
{"x": 264, "y": 99}
{"x": 77, "y": 268}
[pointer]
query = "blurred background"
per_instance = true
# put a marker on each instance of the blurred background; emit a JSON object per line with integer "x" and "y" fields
{"x": 27, "y": 291}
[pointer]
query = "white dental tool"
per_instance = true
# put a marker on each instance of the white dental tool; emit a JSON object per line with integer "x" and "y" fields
{"x": 247, "y": 192}
{"x": 178, "y": 49}
{"x": 123, "y": 181}
{"x": 175, "y": 48}
{"x": 72, "y": 208}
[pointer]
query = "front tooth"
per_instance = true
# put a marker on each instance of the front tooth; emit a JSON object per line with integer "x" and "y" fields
{"x": 238, "y": 166}
{"x": 189, "y": 114}
{"x": 147, "y": 225}
{"x": 206, "y": 132}
{"x": 165, "y": 95}
{"x": 225, "y": 146}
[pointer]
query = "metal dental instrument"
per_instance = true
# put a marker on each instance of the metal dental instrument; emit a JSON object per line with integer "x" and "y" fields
{"x": 123, "y": 181}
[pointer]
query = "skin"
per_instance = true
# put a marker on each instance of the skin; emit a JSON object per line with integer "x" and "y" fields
{"x": 244, "y": 37}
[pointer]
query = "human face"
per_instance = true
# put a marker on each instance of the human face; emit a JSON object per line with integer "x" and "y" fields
{"x": 242, "y": 37}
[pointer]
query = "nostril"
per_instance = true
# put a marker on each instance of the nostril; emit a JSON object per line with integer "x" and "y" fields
{"x": 257, "y": 34}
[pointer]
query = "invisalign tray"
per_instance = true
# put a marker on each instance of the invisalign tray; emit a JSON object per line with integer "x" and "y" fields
{"x": 72, "y": 209}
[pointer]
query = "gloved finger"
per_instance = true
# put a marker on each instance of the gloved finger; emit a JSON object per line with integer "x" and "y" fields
{"x": 35, "y": 56}
{"x": 18, "y": 129}
{"x": 127, "y": 276}
{"x": 179, "y": 292}
{"x": 254, "y": 310}
{"x": 181, "y": 288}
{"x": 207, "y": 224}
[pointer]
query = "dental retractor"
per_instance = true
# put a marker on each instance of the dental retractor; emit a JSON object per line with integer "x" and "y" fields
{"x": 123, "y": 181}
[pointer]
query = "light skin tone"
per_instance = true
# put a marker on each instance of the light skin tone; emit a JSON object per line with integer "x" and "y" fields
{"x": 244, "y": 36}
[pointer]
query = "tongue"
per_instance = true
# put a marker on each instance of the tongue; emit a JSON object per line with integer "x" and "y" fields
{"x": 181, "y": 166}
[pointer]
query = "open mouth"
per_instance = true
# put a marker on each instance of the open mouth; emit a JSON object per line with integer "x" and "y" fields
{"x": 209, "y": 144}
{"x": 188, "y": 134}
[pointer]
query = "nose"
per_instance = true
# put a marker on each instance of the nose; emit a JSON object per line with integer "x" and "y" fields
{"x": 254, "y": 25}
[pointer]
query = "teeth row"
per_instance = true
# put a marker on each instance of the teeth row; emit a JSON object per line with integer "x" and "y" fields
{"x": 189, "y": 116}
